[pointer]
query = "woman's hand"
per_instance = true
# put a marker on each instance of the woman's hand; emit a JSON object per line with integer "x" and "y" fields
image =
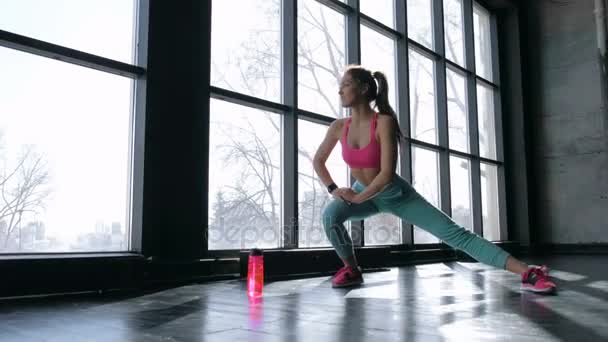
{"x": 345, "y": 194}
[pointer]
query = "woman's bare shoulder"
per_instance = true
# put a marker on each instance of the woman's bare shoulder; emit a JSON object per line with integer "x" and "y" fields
{"x": 385, "y": 118}
{"x": 385, "y": 121}
{"x": 337, "y": 126}
{"x": 339, "y": 121}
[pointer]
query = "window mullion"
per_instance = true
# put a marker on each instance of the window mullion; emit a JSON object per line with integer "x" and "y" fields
{"x": 289, "y": 86}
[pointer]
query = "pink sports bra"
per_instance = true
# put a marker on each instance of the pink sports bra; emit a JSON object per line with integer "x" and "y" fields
{"x": 366, "y": 157}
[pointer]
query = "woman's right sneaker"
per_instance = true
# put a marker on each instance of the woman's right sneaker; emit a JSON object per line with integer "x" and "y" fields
{"x": 340, "y": 271}
{"x": 347, "y": 276}
{"x": 536, "y": 279}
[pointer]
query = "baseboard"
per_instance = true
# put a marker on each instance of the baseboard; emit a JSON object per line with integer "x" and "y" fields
{"x": 65, "y": 273}
{"x": 45, "y": 274}
{"x": 167, "y": 271}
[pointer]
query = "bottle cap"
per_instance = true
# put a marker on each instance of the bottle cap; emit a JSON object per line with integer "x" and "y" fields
{"x": 255, "y": 252}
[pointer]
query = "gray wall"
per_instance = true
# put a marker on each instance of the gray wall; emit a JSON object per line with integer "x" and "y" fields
{"x": 565, "y": 114}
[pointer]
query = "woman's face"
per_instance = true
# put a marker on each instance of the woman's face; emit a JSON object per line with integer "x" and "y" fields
{"x": 350, "y": 92}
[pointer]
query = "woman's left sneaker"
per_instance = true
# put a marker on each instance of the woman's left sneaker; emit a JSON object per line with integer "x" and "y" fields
{"x": 536, "y": 279}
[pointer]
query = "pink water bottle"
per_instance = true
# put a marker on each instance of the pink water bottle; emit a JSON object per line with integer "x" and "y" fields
{"x": 255, "y": 273}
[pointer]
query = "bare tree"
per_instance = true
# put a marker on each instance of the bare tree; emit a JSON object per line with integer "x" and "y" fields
{"x": 23, "y": 191}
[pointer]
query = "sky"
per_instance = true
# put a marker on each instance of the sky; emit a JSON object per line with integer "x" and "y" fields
{"x": 78, "y": 119}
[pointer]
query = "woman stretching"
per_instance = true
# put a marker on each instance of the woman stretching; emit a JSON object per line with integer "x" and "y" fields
{"x": 369, "y": 142}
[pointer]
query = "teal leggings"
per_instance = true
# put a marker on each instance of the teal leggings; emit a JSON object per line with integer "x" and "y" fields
{"x": 401, "y": 199}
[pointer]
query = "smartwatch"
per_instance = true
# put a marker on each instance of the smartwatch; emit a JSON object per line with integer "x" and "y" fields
{"x": 331, "y": 187}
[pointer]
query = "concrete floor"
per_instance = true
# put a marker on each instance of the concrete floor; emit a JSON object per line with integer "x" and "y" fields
{"x": 434, "y": 302}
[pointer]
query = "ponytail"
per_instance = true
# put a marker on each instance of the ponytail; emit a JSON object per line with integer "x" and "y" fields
{"x": 384, "y": 106}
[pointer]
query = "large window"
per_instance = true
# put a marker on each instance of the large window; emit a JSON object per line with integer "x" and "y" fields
{"x": 440, "y": 84}
{"x": 65, "y": 129}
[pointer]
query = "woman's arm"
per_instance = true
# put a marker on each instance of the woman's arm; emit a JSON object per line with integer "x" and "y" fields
{"x": 329, "y": 142}
{"x": 388, "y": 159}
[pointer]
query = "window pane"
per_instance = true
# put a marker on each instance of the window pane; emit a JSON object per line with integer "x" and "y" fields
{"x": 420, "y": 21}
{"x": 101, "y": 27}
{"x": 246, "y": 57}
{"x": 312, "y": 193}
{"x": 382, "y": 229}
{"x": 423, "y": 113}
{"x": 378, "y": 54}
{"x": 426, "y": 181}
{"x": 457, "y": 111}
{"x": 381, "y": 10}
{"x": 460, "y": 183}
{"x": 483, "y": 42}
{"x": 454, "y": 36}
{"x": 321, "y": 61}
{"x": 64, "y": 156}
{"x": 486, "y": 123}
{"x": 489, "y": 202}
{"x": 245, "y": 166}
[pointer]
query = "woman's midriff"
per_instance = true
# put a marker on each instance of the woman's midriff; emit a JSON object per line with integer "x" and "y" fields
{"x": 365, "y": 176}
{"x": 391, "y": 191}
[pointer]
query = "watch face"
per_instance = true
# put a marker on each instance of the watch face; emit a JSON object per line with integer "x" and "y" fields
{"x": 331, "y": 187}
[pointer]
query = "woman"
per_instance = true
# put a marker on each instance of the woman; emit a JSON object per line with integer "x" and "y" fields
{"x": 369, "y": 142}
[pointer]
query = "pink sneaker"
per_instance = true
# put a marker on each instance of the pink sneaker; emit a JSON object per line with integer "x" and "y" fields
{"x": 536, "y": 279}
{"x": 340, "y": 271}
{"x": 347, "y": 276}
{"x": 344, "y": 268}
